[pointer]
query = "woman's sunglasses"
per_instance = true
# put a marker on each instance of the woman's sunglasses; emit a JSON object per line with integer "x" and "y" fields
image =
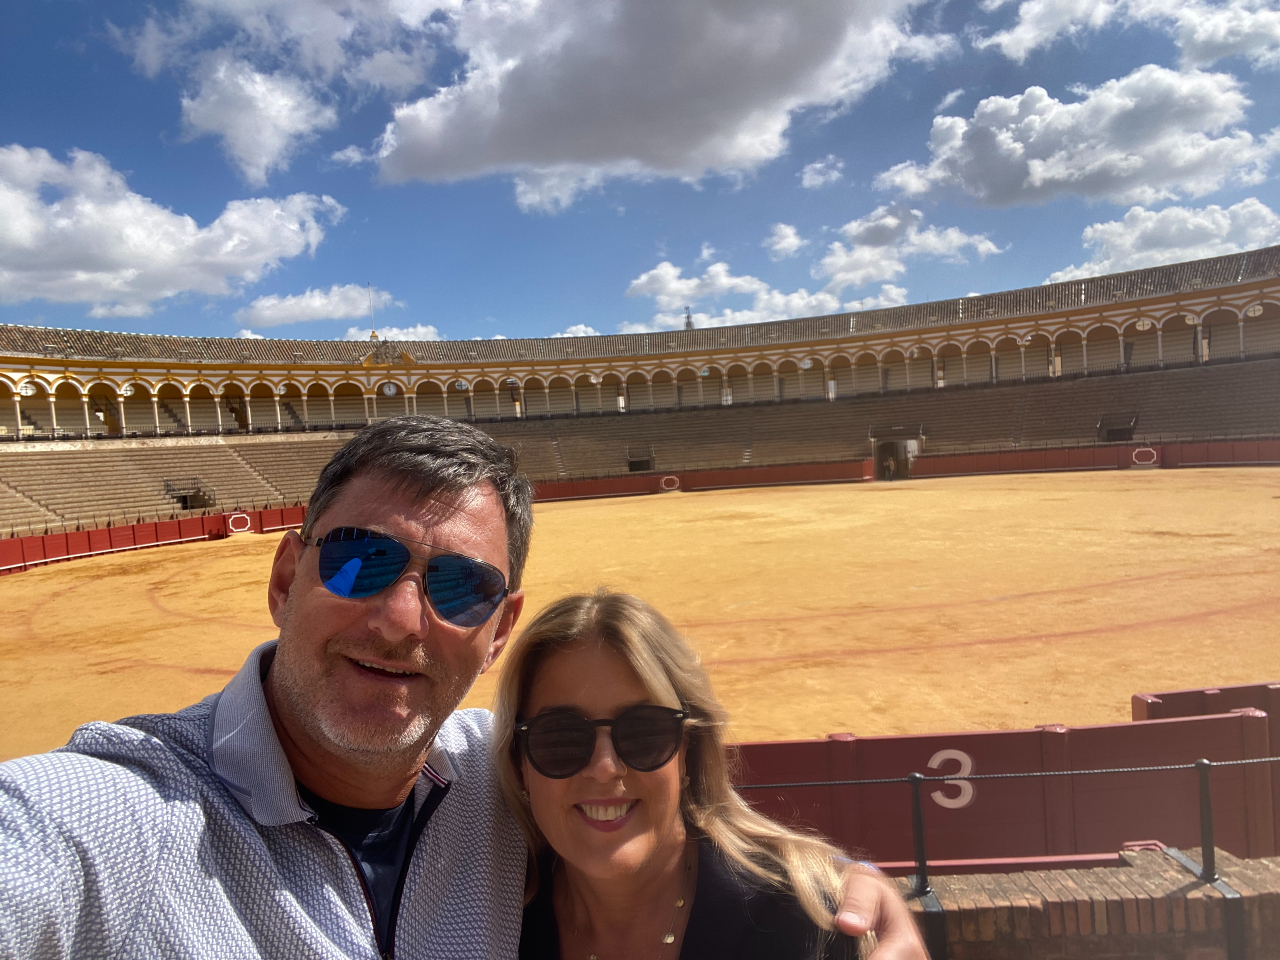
{"x": 357, "y": 563}
{"x": 559, "y": 743}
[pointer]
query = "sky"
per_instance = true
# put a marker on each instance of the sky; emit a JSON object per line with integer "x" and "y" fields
{"x": 518, "y": 168}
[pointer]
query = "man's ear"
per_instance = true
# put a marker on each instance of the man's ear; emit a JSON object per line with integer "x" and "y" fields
{"x": 511, "y": 608}
{"x": 284, "y": 569}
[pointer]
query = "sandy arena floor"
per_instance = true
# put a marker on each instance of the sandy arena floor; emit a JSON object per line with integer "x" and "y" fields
{"x": 933, "y": 605}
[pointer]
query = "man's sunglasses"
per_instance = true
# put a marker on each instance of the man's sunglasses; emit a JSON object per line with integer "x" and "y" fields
{"x": 357, "y": 563}
{"x": 559, "y": 743}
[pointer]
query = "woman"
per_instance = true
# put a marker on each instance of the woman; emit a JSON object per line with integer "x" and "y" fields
{"x": 612, "y": 756}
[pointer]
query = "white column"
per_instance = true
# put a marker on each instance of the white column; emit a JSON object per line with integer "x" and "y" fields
{"x": 471, "y": 402}
{"x": 406, "y": 404}
{"x": 1022, "y": 349}
{"x": 1123, "y": 365}
{"x": 415, "y": 402}
{"x": 524, "y": 409}
{"x": 964, "y": 368}
{"x": 365, "y": 398}
{"x": 155, "y": 411}
{"x": 992, "y": 373}
{"x": 751, "y": 388}
{"x": 777, "y": 388}
{"x": 186, "y": 405}
{"x": 248, "y": 414}
{"x": 724, "y": 388}
{"x": 546, "y": 396}
{"x": 906, "y": 367}
{"x": 333, "y": 418}
{"x": 879, "y": 375}
{"x": 217, "y": 410}
{"x": 573, "y": 398}
{"x": 53, "y": 414}
{"x": 84, "y": 402}
{"x": 445, "y": 397}
{"x": 649, "y": 383}
{"x": 1084, "y": 355}
{"x": 119, "y": 407}
{"x": 17, "y": 414}
{"x": 1242, "y": 337}
{"x": 306, "y": 414}
{"x": 279, "y": 422}
{"x": 1160, "y": 347}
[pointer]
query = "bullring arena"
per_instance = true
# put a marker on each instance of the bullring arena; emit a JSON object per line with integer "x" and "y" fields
{"x": 960, "y": 535}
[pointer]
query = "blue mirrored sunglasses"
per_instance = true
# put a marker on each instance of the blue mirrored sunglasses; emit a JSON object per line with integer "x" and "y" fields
{"x": 357, "y": 563}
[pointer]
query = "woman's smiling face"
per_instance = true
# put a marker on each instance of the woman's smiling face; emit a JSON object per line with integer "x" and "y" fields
{"x": 606, "y": 820}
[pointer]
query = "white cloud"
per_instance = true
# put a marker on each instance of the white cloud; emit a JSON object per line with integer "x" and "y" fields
{"x": 559, "y": 95}
{"x": 671, "y": 292}
{"x": 784, "y": 242}
{"x": 949, "y": 101}
{"x": 337, "y": 303}
{"x": 350, "y": 156}
{"x": 706, "y": 254}
{"x": 889, "y": 296}
{"x": 261, "y": 118}
{"x": 1149, "y": 238}
{"x": 878, "y": 245}
{"x": 249, "y": 335}
{"x": 1205, "y": 31}
{"x": 75, "y": 233}
{"x": 1153, "y": 135}
{"x": 822, "y": 172}
{"x": 420, "y": 331}
{"x": 578, "y": 330}
{"x": 881, "y": 242}
{"x": 564, "y": 95}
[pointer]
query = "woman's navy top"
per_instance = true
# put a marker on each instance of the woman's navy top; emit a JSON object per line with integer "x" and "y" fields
{"x": 733, "y": 916}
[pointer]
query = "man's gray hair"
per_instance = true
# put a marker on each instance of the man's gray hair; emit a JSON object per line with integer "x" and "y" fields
{"x": 426, "y": 456}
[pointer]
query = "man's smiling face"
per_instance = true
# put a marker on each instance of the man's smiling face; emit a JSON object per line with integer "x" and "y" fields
{"x": 378, "y": 676}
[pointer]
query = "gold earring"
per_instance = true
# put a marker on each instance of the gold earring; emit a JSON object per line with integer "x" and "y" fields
{"x": 684, "y": 781}
{"x": 525, "y": 795}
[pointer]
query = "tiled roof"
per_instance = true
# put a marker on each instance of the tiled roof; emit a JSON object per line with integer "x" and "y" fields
{"x": 1191, "y": 277}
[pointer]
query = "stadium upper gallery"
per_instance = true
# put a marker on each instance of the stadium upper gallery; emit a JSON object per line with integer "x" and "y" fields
{"x": 112, "y": 425}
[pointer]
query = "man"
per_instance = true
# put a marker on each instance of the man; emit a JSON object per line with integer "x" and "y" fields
{"x": 329, "y": 802}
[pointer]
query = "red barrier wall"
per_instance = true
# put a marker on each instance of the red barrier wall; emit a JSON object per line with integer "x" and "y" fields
{"x": 1208, "y": 700}
{"x": 1028, "y": 817}
{"x": 21, "y": 553}
{"x": 1024, "y": 461}
{"x": 1222, "y": 453}
{"x": 846, "y": 472}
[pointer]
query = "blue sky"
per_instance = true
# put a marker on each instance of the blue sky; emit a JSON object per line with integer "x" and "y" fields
{"x": 533, "y": 167}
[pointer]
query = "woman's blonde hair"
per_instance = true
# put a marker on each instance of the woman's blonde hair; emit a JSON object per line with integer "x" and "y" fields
{"x": 671, "y": 673}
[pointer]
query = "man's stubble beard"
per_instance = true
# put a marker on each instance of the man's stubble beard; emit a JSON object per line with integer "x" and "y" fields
{"x": 303, "y": 689}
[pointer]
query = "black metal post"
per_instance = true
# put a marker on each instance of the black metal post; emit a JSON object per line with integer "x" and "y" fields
{"x": 917, "y": 834}
{"x": 1208, "y": 856}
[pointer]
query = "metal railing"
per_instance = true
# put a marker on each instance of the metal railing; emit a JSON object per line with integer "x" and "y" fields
{"x": 921, "y": 889}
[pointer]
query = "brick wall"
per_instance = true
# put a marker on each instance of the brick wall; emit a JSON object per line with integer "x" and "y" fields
{"x": 1152, "y": 908}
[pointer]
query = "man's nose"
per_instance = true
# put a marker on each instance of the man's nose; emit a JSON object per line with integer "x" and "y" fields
{"x": 401, "y": 610}
{"x": 605, "y": 763}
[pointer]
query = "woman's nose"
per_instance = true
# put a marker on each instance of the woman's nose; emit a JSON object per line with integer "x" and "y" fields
{"x": 605, "y": 763}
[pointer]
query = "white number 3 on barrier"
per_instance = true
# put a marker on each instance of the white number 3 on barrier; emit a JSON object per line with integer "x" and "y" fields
{"x": 966, "y": 788}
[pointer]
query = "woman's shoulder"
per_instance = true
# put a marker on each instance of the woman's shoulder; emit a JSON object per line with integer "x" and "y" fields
{"x": 539, "y": 932}
{"x": 736, "y": 914}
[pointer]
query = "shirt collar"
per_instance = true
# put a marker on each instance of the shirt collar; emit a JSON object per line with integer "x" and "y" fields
{"x": 245, "y": 753}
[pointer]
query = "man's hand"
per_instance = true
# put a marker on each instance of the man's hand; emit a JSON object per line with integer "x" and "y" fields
{"x": 872, "y": 903}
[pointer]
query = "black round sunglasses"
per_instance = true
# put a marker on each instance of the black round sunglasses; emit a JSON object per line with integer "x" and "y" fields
{"x": 356, "y": 563}
{"x": 559, "y": 743}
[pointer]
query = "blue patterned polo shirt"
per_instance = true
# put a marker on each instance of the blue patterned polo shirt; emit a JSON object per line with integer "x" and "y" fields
{"x": 183, "y": 836}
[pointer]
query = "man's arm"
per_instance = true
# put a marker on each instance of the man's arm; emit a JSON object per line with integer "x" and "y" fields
{"x": 74, "y": 854}
{"x": 872, "y": 904}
